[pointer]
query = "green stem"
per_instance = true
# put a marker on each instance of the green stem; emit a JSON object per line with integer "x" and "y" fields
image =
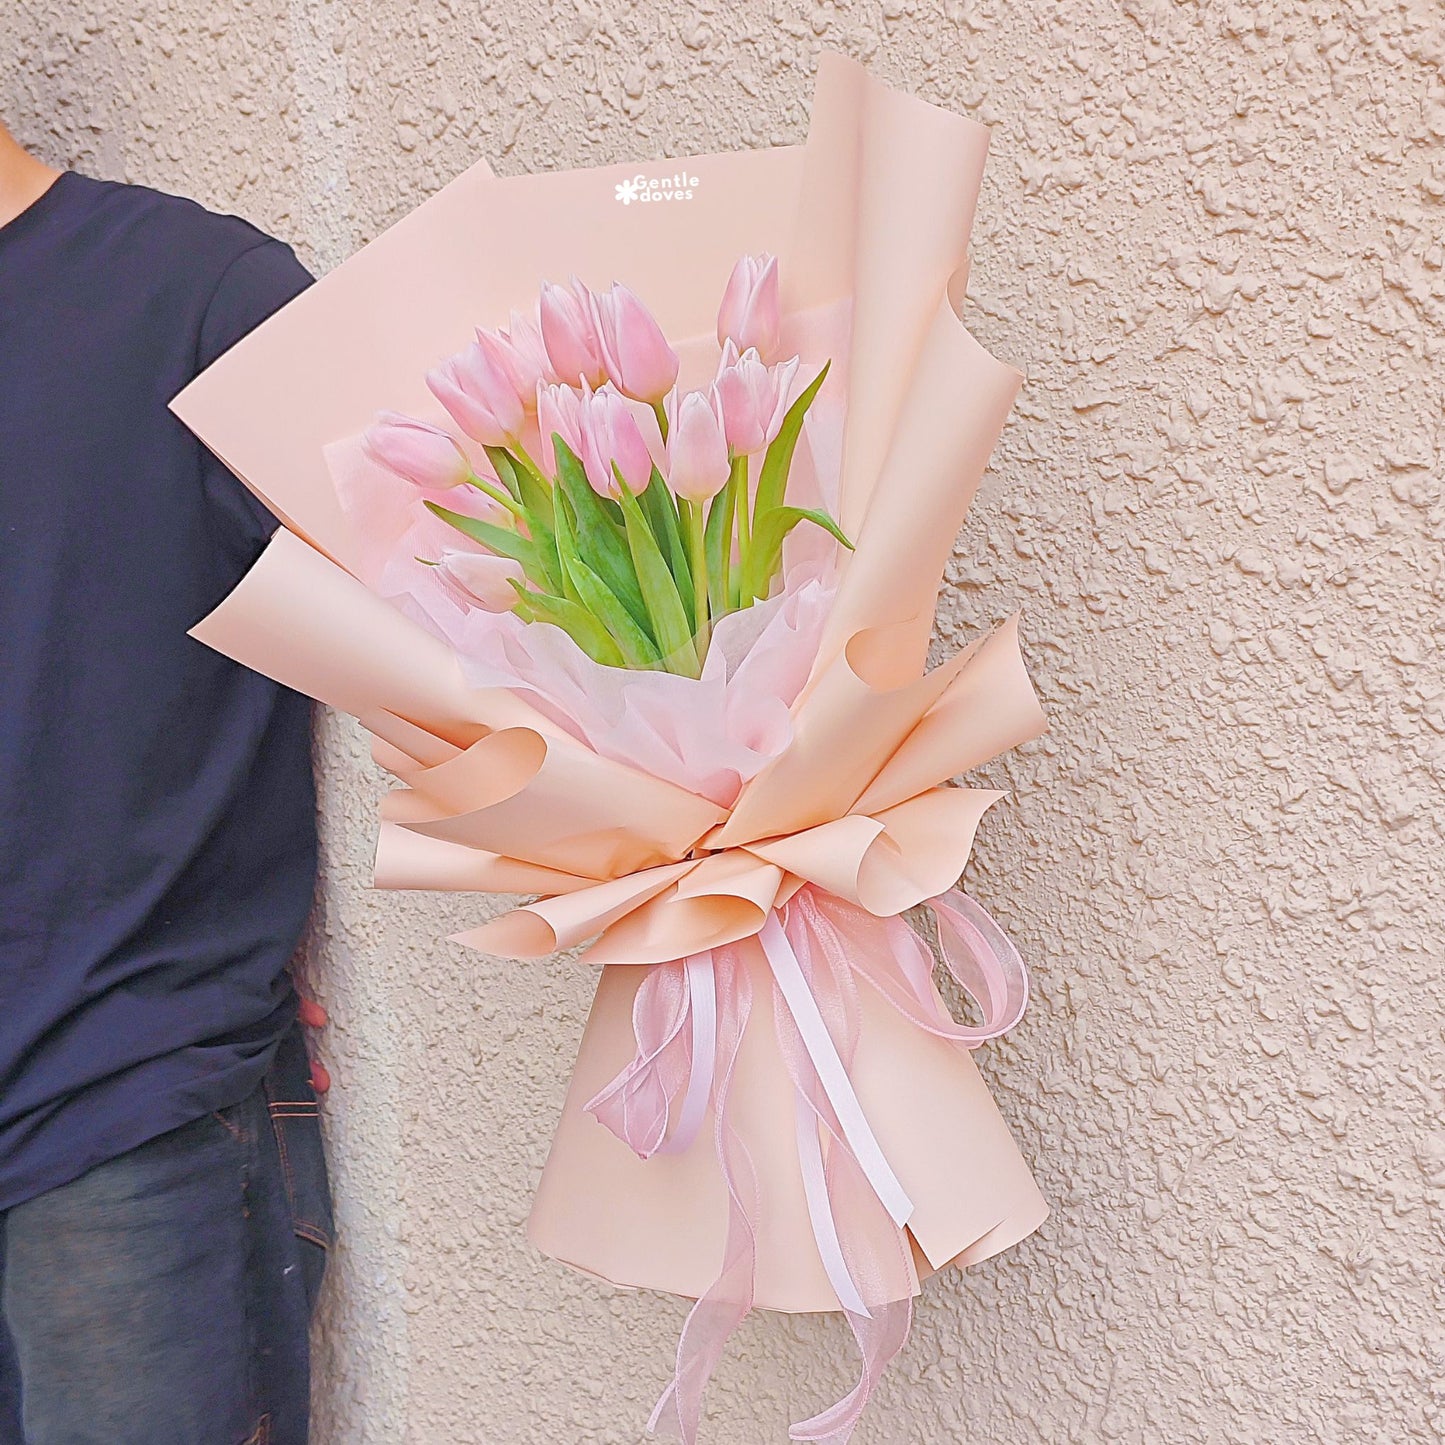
{"x": 660, "y": 412}
{"x": 742, "y": 500}
{"x": 745, "y": 504}
{"x": 718, "y": 537}
{"x": 697, "y": 548}
{"x": 499, "y": 495}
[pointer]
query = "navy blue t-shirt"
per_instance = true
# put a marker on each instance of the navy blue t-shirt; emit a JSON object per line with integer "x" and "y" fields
{"x": 157, "y": 811}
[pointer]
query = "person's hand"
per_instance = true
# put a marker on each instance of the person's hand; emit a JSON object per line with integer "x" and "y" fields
{"x": 313, "y": 1016}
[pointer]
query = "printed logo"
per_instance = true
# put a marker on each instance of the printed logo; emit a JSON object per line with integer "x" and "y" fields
{"x": 645, "y": 189}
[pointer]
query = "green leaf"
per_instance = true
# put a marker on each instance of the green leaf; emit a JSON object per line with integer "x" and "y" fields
{"x": 671, "y": 621}
{"x": 768, "y": 537}
{"x": 637, "y": 648}
{"x": 501, "y": 460}
{"x": 536, "y": 499}
{"x": 660, "y": 509}
{"x": 576, "y": 621}
{"x": 496, "y": 539}
{"x": 773, "y": 478}
{"x": 597, "y": 537}
{"x": 566, "y": 538}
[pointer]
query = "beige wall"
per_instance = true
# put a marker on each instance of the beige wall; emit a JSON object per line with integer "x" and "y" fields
{"x": 1213, "y": 234}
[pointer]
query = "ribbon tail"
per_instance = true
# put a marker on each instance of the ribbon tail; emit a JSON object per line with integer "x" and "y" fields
{"x": 880, "y": 1335}
{"x": 880, "y": 1331}
{"x": 865, "y": 1254}
{"x": 718, "y": 1313}
{"x": 820, "y": 1209}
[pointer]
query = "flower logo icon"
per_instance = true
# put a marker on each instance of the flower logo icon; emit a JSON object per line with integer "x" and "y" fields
{"x": 627, "y": 192}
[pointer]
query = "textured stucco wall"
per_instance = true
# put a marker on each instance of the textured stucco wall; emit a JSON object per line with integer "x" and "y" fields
{"x": 1214, "y": 235}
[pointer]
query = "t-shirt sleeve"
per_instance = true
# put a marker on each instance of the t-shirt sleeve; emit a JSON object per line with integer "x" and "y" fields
{"x": 257, "y": 283}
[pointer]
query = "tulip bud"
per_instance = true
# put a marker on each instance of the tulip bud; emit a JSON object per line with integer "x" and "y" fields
{"x": 569, "y": 334}
{"x": 639, "y": 361}
{"x": 520, "y": 353}
{"x": 610, "y": 434}
{"x": 484, "y": 578}
{"x": 697, "y": 450}
{"x": 749, "y": 314}
{"x": 416, "y": 450}
{"x": 559, "y": 413}
{"x": 754, "y": 398}
{"x": 475, "y": 388}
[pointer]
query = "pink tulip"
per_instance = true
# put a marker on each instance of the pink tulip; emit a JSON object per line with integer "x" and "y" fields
{"x": 754, "y": 398}
{"x": 416, "y": 450}
{"x": 610, "y": 434}
{"x": 570, "y": 335}
{"x": 697, "y": 448}
{"x": 559, "y": 412}
{"x": 638, "y": 359}
{"x": 483, "y": 577}
{"x": 519, "y": 352}
{"x": 749, "y": 314}
{"x": 475, "y": 388}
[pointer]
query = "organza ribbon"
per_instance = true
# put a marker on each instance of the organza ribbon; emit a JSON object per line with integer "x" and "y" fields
{"x": 688, "y": 1020}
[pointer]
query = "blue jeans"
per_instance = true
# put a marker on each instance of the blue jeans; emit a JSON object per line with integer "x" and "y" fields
{"x": 163, "y": 1298}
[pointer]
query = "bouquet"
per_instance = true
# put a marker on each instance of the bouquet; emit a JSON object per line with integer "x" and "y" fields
{"x": 633, "y": 589}
{"x": 589, "y": 536}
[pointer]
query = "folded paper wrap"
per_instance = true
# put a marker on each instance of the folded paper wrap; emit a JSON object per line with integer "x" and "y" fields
{"x": 766, "y": 1034}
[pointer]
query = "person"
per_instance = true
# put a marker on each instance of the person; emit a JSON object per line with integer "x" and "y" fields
{"x": 164, "y": 1212}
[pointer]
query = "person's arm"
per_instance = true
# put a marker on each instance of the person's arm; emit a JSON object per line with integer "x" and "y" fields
{"x": 257, "y": 283}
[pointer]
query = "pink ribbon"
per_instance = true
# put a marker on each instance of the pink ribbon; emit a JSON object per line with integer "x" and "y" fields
{"x": 803, "y": 1006}
{"x": 719, "y": 1312}
{"x": 675, "y": 1023}
{"x": 702, "y": 1011}
{"x": 866, "y": 1255}
{"x": 689, "y": 1018}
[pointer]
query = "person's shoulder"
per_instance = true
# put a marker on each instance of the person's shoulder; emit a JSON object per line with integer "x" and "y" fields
{"x": 195, "y": 240}
{"x": 215, "y": 276}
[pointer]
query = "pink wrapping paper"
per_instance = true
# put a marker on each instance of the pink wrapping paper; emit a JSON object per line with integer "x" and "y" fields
{"x": 846, "y": 798}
